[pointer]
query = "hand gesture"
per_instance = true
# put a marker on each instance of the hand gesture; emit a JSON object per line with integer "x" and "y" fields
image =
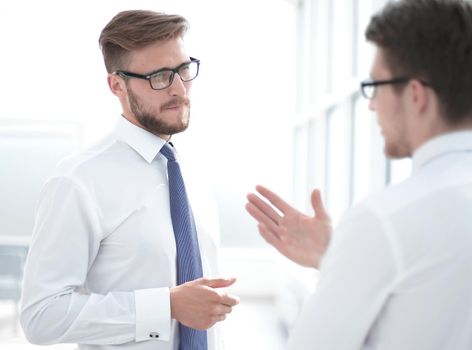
{"x": 301, "y": 238}
{"x": 199, "y": 304}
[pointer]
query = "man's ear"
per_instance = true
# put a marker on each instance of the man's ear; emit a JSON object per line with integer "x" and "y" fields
{"x": 116, "y": 85}
{"x": 419, "y": 97}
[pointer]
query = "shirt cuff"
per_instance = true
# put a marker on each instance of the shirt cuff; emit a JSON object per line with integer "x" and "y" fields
{"x": 153, "y": 320}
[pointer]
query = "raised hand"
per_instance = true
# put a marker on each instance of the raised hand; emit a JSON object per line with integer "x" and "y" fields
{"x": 301, "y": 238}
{"x": 199, "y": 304}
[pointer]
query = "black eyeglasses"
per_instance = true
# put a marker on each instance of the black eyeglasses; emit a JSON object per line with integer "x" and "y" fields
{"x": 368, "y": 87}
{"x": 163, "y": 78}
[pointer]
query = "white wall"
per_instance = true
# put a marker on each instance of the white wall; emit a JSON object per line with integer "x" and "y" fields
{"x": 242, "y": 101}
{"x": 53, "y": 70}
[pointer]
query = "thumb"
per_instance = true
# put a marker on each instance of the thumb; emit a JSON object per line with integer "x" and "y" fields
{"x": 219, "y": 282}
{"x": 318, "y": 206}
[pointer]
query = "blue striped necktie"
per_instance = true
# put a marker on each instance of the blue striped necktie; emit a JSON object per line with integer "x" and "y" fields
{"x": 189, "y": 263}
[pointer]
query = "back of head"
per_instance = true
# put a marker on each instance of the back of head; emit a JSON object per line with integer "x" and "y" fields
{"x": 430, "y": 40}
{"x": 135, "y": 29}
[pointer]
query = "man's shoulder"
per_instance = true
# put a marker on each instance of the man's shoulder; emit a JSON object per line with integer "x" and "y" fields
{"x": 419, "y": 192}
{"x": 91, "y": 159}
{"x": 395, "y": 197}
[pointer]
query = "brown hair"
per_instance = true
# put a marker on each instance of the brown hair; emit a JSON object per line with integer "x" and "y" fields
{"x": 430, "y": 40}
{"x": 135, "y": 29}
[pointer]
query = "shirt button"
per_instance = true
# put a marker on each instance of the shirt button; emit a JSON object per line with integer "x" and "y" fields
{"x": 154, "y": 335}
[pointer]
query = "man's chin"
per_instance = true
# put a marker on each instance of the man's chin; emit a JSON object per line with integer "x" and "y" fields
{"x": 179, "y": 129}
{"x": 157, "y": 127}
{"x": 168, "y": 130}
{"x": 394, "y": 153}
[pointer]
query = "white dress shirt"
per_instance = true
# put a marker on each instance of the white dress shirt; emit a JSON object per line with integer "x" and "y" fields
{"x": 103, "y": 255}
{"x": 398, "y": 272}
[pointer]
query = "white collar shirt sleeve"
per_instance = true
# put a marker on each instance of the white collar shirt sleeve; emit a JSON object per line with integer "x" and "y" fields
{"x": 397, "y": 272}
{"x": 102, "y": 256}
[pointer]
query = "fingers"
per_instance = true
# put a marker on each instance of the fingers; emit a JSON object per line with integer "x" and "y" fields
{"x": 269, "y": 237}
{"x": 224, "y": 310}
{"x": 270, "y": 222}
{"x": 219, "y": 314}
{"x": 224, "y": 305}
{"x": 223, "y": 298}
{"x": 264, "y": 208}
{"x": 318, "y": 205}
{"x": 229, "y": 300}
{"x": 273, "y": 198}
{"x": 197, "y": 305}
{"x": 262, "y": 218}
{"x": 218, "y": 282}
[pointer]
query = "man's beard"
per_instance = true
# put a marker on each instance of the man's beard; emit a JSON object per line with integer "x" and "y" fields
{"x": 397, "y": 145}
{"x": 396, "y": 151}
{"x": 151, "y": 120}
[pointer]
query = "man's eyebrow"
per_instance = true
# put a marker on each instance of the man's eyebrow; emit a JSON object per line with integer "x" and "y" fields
{"x": 168, "y": 68}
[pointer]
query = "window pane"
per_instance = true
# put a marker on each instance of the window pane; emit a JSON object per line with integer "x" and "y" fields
{"x": 318, "y": 42}
{"x": 362, "y": 162}
{"x": 341, "y": 43}
{"x": 364, "y": 51}
{"x": 300, "y": 166}
{"x": 338, "y": 162}
{"x": 317, "y": 157}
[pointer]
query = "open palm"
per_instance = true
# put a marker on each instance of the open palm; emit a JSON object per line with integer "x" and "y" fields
{"x": 301, "y": 238}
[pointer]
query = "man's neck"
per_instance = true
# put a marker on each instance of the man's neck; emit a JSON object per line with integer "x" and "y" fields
{"x": 425, "y": 133}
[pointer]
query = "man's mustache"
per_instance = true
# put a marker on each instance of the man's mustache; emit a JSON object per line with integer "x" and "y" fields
{"x": 176, "y": 102}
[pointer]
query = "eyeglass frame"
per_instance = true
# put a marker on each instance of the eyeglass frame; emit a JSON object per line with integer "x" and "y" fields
{"x": 393, "y": 81}
{"x": 125, "y": 74}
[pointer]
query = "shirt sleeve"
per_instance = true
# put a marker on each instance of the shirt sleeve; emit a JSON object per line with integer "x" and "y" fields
{"x": 356, "y": 277}
{"x": 56, "y": 306}
{"x": 153, "y": 314}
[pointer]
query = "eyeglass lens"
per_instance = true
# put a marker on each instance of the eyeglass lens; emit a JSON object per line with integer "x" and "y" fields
{"x": 368, "y": 91}
{"x": 164, "y": 78}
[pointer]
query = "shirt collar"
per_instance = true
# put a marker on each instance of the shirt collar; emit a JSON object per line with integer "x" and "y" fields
{"x": 459, "y": 141}
{"x": 145, "y": 143}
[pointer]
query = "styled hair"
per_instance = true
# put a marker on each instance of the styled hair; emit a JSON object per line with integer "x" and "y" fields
{"x": 136, "y": 29}
{"x": 430, "y": 40}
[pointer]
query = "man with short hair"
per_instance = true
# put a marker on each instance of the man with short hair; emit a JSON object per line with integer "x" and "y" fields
{"x": 118, "y": 258}
{"x": 396, "y": 272}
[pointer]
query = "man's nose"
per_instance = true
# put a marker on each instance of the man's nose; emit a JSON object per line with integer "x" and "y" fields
{"x": 178, "y": 87}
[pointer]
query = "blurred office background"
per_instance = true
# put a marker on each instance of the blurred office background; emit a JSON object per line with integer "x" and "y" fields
{"x": 277, "y": 102}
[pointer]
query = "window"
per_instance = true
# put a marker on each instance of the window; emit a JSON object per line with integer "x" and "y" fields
{"x": 345, "y": 153}
{"x": 338, "y": 161}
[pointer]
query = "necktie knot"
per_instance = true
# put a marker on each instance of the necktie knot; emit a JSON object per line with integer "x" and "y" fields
{"x": 168, "y": 151}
